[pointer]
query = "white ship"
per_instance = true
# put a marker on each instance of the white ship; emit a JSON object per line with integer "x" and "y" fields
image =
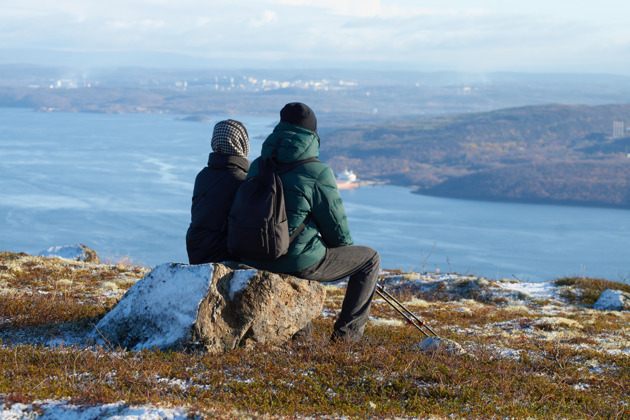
{"x": 346, "y": 180}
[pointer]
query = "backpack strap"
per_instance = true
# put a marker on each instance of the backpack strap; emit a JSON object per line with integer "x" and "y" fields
{"x": 300, "y": 228}
{"x": 282, "y": 168}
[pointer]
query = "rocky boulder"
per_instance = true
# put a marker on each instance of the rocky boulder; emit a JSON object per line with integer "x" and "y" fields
{"x": 210, "y": 306}
{"x": 613, "y": 300}
{"x": 77, "y": 252}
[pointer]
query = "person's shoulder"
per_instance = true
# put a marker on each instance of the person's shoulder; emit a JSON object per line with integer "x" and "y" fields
{"x": 323, "y": 174}
{"x": 315, "y": 168}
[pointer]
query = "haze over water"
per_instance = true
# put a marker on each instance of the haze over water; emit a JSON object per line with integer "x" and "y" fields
{"x": 121, "y": 184}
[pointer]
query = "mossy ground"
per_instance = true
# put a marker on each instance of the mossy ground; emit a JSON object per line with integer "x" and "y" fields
{"x": 540, "y": 357}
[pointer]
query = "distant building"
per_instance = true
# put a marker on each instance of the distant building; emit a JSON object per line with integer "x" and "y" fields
{"x": 619, "y": 130}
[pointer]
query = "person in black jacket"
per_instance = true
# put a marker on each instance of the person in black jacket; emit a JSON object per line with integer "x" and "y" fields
{"x": 214, "y": 191}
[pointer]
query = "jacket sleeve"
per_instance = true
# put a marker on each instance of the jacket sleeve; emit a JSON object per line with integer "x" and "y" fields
{"x": 329, "y": 212}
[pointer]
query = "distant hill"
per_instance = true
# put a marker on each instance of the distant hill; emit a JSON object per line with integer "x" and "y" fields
{"x": 603, "y": 183}
{"x": 550, "y": 153}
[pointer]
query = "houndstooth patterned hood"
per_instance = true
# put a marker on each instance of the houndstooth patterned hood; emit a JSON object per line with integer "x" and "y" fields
{"x": 230, "y": 138}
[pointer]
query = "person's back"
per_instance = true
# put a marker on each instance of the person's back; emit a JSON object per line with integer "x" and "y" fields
{"x": 324, "y": 250}
{"x": 214, "y": 191}
{"x": 311, "y": 196}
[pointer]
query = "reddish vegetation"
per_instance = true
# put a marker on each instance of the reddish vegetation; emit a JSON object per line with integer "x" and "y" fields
{"x": 527, "y": 356}
{"x": 554, "y": 153}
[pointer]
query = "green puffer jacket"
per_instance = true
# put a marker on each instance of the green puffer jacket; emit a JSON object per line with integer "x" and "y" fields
{"x": 308, "y": 189}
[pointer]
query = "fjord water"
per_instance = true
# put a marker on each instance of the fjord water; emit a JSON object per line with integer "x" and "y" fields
{"x": 121, "y": 184}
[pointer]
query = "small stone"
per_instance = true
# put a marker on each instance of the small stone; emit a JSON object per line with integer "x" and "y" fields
{"x": 436, "y": 343}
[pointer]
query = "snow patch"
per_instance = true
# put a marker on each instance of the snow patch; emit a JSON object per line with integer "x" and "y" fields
{"x": 544, "y": 290}
{"x": 611, "y": 300}
{"x": 166, "y": 300}
{"x": 62, "y": 410}
{"x": 240, "y": 280}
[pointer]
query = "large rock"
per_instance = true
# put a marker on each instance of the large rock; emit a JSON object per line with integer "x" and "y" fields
{"x": 613, "y": 300}
{"x": 77, "y": 252}
{"x": 210, "y": 306}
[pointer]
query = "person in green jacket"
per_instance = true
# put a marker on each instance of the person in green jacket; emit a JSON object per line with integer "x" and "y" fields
{"x": 324, "y": 250}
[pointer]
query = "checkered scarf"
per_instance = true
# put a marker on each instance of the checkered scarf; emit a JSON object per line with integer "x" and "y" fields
{"x": 230, "y": 138}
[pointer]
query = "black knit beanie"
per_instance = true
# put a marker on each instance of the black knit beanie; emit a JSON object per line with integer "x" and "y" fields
{"x": 299, "y": 114}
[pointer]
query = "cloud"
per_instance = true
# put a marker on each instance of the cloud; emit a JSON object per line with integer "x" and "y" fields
{"x": 138, "y": 25}
{"x": 358, "y": 8}
{"x": 152, "y": 24}
{"x": 376, "y": 8}
{"x": 202, "y": 21}
{"x": 436, "y": 32}
{"x": 267, "y": 18}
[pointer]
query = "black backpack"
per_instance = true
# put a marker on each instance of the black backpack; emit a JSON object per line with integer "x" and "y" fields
{"x": 257, "y": 225}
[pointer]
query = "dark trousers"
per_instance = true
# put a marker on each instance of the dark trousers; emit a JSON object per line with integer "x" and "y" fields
{"x": 361, "y": 263}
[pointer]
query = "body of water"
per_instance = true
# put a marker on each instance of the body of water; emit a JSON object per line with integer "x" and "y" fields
{"x": 122, "y": 184}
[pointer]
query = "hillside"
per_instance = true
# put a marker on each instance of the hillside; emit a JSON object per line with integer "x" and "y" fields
{"x": 550, "y": 153}
{"x": 584, "y": 182}
{"x": 533, "y": 350}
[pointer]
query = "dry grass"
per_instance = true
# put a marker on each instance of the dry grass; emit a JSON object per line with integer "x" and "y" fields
{"x": 520, "y": 362}
{"x": 586, "y": 291}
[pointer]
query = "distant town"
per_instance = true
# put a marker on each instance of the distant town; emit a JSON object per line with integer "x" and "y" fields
{"x": 340, "y": 97}
{"x": 219, "y": 83}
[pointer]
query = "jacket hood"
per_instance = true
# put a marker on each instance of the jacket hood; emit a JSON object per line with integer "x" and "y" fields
{"x": 295, "y": 143}
{"x": 230, "y": 138}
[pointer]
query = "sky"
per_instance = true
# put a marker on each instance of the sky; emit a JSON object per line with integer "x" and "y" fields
{"x": 577, "y": 36}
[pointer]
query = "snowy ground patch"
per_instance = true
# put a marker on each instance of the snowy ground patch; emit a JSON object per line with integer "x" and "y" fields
{"x": 51, "y": 409}
{"x": 544, "y": 290}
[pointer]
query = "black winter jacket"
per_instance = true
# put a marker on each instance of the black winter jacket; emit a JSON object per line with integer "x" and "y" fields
{"x": 214, "y": 191}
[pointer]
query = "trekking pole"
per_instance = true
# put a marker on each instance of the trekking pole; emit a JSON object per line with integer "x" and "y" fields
{"x": 404, "y": 311}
